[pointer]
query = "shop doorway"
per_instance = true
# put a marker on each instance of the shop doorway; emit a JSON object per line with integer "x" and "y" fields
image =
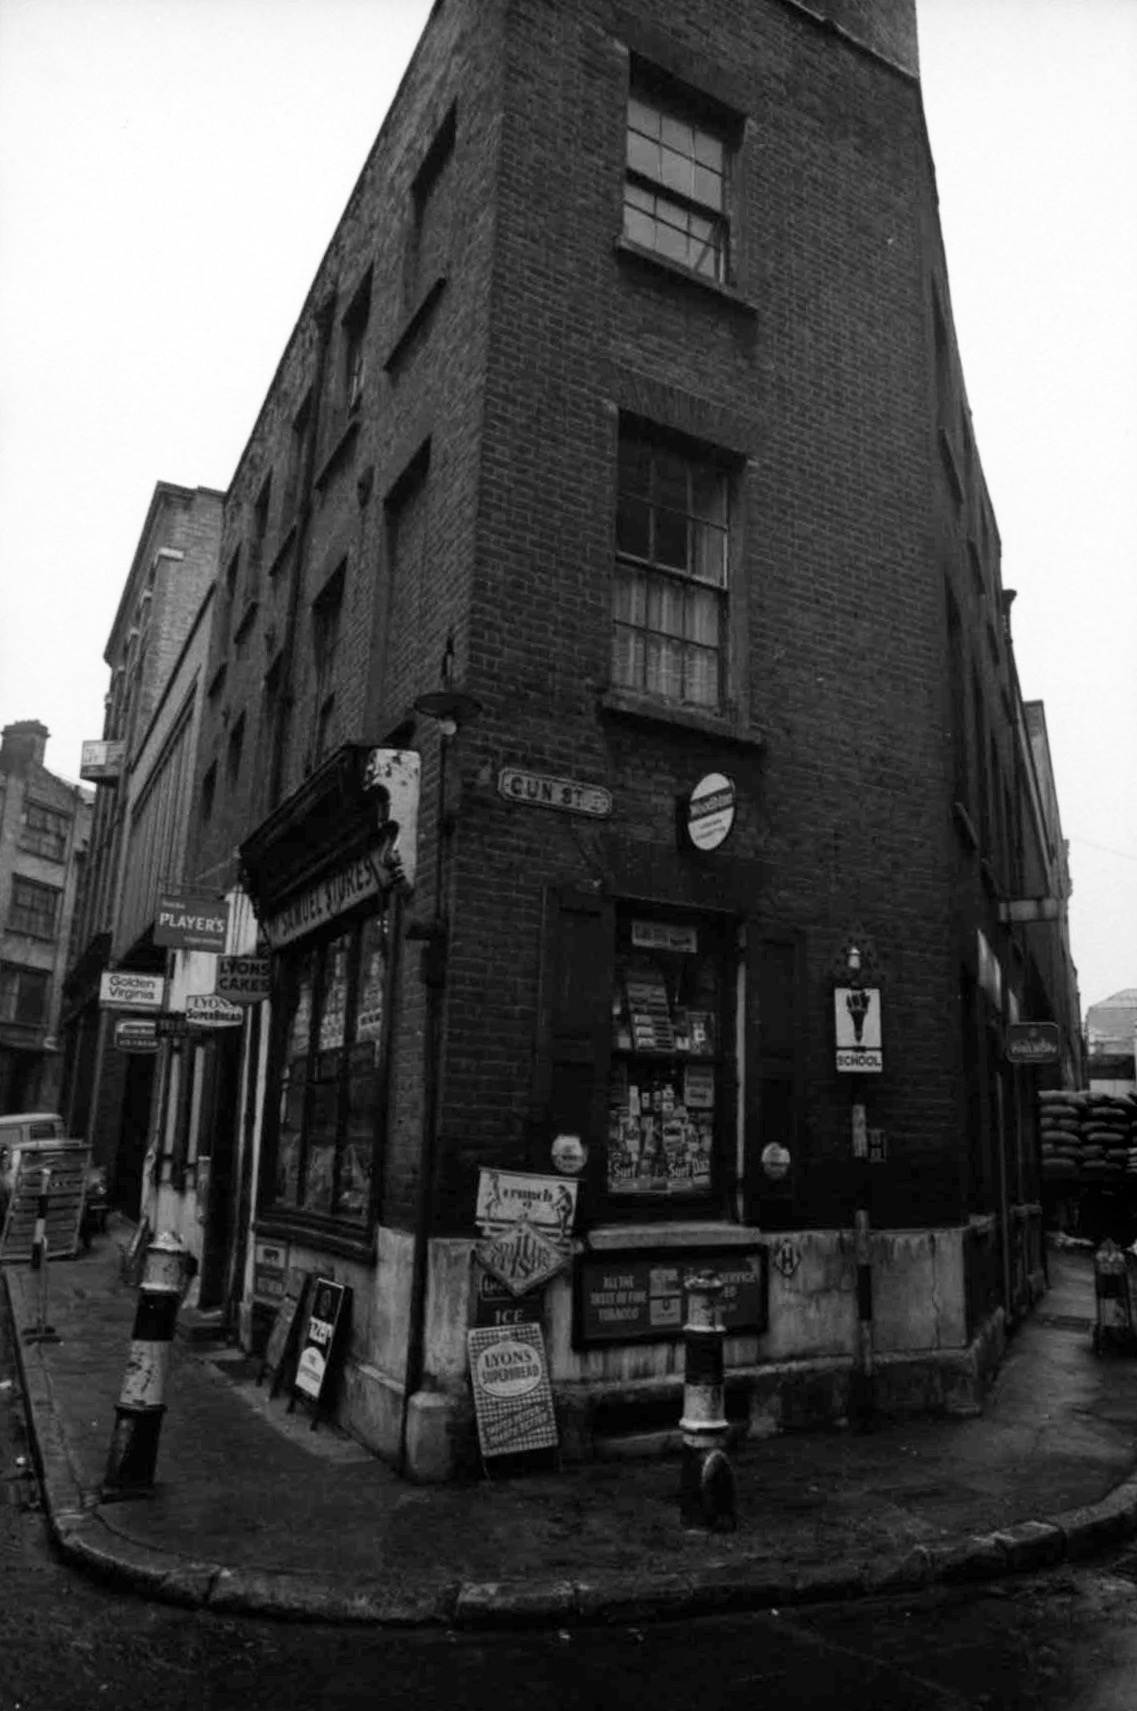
{"x": 216, "y": 1150}
{"x": 130, "y": 1157}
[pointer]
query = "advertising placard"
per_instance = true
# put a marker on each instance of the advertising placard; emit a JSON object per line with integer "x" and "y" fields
{"x": 189, "y": 923}
{"x": 634, "y": 1297}
{"x": 513, "y": 1399}
{"x": 122, "y": 989}
{"x": 321, "y": 1336}
{"x": 548, "y": 1203}
{"x": 243, "y": 979}
{"x": 709, "y": 811}
{"x": 270, "y": 1264}
{"x": 494, "y": 1304}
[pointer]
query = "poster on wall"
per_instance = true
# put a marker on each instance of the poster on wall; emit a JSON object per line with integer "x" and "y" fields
{"x": 513, "y": 1399}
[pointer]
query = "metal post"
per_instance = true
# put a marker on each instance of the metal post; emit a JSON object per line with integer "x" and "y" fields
{"x": 41, "y": 1331}
{"x": 707, "y": 1490}
{"x": 141, "y": 1404}
{"x": 862, "y": 1383}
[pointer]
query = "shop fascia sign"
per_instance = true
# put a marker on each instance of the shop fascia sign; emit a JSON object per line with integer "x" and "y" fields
{"x": 329, "y": 897}
{"x": 1033, "y": 1042}
{"x": 541, "y": 790}
{"x": 190, "y": 923}
{"x": 856, "y": 1014}
{"x": 123, "y": 989}
{"x": 101, "y": 763}
{"x": 707, "y": 812}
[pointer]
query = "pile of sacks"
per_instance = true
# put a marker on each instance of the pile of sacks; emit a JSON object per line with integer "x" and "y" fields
{"x": 1088, "y": 1137}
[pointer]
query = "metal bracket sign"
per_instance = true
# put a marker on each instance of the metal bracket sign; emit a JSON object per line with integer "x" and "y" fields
{"x": 1033, "y": 1042}
{"x": 243, "y": 979}
{"x": 136, "y": 1034}
{"x": 191, "y": 923}
{"x": 123, "y": 989}
{"x": 206, "y": 1010}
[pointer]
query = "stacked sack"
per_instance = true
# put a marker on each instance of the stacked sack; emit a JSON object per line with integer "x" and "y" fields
{"x": 1060, "y": 1129}
{"x": 1088, "y": 1137}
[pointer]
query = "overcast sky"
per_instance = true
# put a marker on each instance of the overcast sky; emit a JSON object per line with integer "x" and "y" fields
{"x": 172, "y": 170}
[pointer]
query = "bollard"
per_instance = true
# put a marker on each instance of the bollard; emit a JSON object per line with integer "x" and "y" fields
{"x": 707, "y": 1489}
{"x": 141, "y": 1404}
{"x": 41, "y": 1331}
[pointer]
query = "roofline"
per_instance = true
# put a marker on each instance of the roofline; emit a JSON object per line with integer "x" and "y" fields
{"x": 163, "y": 490}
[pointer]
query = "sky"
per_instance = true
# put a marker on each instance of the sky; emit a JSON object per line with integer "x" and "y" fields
{"x": 171, "y": 172}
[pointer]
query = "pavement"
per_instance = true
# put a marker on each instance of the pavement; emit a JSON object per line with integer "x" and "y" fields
{"x": 252, "y": 1511}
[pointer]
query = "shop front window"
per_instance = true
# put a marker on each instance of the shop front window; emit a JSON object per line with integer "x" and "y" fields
{"x": 666, "y": 1083}
{"x": 331, "y": 1058}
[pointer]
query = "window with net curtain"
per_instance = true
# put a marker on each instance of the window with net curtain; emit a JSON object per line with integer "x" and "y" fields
{"x": 669, "y": 627}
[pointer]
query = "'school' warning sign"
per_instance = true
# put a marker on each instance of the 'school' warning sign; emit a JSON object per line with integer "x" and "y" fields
{"x": 513, "y": 1399}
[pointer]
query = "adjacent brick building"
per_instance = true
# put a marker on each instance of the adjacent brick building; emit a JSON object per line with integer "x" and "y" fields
{"x": 45, "y": 826}
{"x": 144, "y": 771}
{"x": 624, "y": 423}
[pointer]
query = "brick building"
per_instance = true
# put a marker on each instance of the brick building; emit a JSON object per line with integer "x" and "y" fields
{"x": 624, "y": 423}
{"x": 45, "y": 825}
{"x": 143, "y": 770}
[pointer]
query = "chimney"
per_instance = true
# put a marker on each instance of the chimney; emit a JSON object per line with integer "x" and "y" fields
{"x": 22, "y": 745}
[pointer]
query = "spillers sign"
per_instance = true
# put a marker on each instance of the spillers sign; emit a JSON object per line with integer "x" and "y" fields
{"x": 521, "y": 1258}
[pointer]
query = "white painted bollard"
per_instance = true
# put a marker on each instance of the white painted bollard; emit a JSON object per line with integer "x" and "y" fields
{"x": 142, "y": 1400}
{"x": 707, "y": 1488}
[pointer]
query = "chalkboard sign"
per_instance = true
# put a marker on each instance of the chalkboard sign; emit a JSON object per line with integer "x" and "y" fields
{"x": 321, "y": 1342}
{"x": 637, "y": 1297}
{"x": 282, "y": 1337}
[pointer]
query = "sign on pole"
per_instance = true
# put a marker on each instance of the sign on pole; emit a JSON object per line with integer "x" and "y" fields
{"x": 122, "y": 989}
{"x": 856, "y": 1011}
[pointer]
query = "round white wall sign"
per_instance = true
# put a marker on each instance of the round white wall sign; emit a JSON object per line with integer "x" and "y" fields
{"x": 710, "y": 811}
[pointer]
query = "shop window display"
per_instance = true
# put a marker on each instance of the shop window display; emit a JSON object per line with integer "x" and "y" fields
{"x": 331, "y": 1046}
{"x": 665, "y": 1091}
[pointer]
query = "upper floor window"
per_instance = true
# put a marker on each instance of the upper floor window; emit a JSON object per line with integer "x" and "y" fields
{"x": 23, "y": 994}
{"x": 297, "y": 452}
{"x": 327, "y": 609}
{"x": 44, "y": 831}
{"x": 34, "y": 909}
{"x": 355, "y": 346}
{"x": 669, "y": 634}
{"x": 432, "y": 201}
{"x": 675, "y": 186}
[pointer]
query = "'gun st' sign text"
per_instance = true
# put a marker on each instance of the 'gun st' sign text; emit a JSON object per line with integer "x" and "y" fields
{"x": 191, "y": 923}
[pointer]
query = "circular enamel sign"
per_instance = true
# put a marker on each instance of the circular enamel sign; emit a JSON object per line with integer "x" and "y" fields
{"x": 508, "y": 1369}
{"x": 710, "y": 811}
{"x": 775, "y": 1161}
{"x": 569, "y": 1154}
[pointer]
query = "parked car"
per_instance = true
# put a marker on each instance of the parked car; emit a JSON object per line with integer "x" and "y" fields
{"x": 17, "y": 1128}
{"x": 20, "y": 1130}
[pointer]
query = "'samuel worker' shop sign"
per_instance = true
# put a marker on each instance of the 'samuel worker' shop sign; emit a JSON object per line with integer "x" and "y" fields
{"x": 191, "y": 923}
{"x": 340, "y": 891}
{"x": 633, "y": 1298}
